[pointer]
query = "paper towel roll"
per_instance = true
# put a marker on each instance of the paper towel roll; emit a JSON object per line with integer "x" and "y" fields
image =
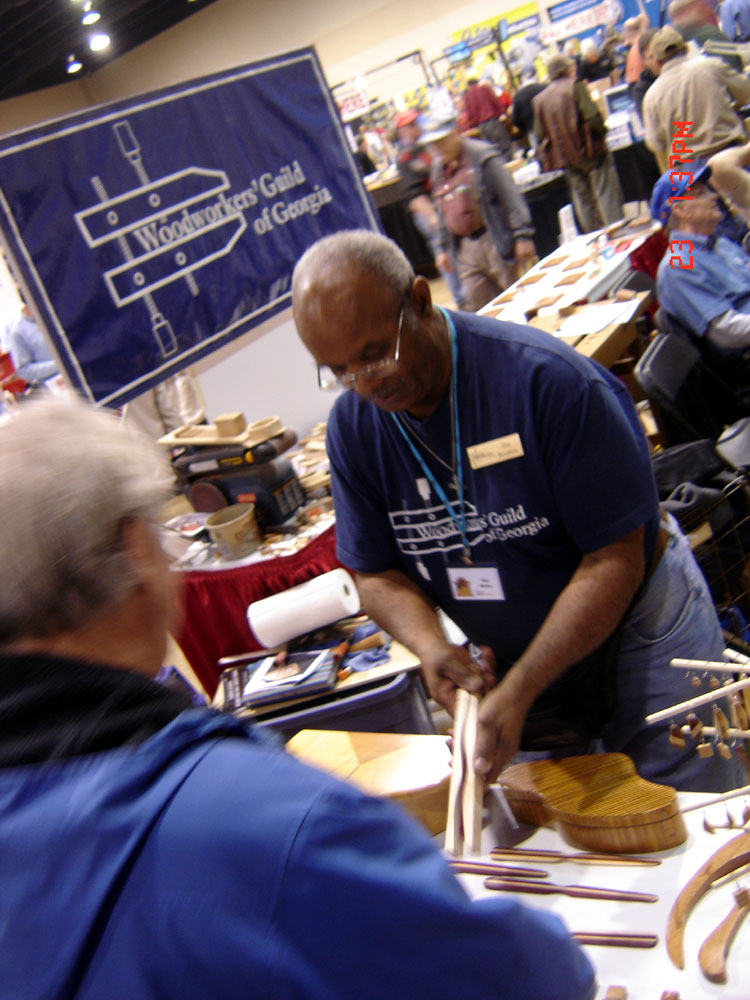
{"x": 293, "y": 612}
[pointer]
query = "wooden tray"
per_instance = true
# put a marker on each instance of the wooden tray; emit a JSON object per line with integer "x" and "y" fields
{"x": 596, "y": 802}
{"x": 208, "y": 434}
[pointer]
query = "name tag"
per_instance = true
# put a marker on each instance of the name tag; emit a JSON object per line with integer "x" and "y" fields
{"x": 498, "y": 450}
{"x": 475, "y": 583}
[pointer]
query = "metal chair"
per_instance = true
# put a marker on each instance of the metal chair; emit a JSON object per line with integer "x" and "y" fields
{"x": 693, "y": 401}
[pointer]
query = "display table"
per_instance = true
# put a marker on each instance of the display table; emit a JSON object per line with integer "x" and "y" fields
{"x": 646, "y": 973}
{"x": 387, "y": 698}
{"x": 216, "y": 602}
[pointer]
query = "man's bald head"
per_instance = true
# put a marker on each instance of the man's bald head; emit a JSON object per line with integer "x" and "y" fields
{"x": 357, "y": 303}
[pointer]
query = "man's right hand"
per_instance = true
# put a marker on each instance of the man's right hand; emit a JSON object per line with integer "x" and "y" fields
{"x": 443, "y": 261}
{"x": 447, "y": 667}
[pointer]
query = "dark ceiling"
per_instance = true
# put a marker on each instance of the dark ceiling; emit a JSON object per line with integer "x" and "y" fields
{"x": 37, "y": 36}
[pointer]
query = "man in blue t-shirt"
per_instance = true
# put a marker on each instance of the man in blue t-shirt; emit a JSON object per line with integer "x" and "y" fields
{"x": 703, "y": 280}
{"x": 490, "y": 470}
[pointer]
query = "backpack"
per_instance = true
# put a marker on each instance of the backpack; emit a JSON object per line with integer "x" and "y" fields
{"x": 459, "y": 203}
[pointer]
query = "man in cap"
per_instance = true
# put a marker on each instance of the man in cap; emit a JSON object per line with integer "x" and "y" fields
{"x": 474, "y": 455}
{"x": 485, "y": 223}
{"x": 704, "y": 279}
{"x": 487, "y": 112}
{"x": 570, "y": 135}
{"x": 150, "y": 849}
{"x": 693, "y": 98}
{"x": 415, "y": 165}
{"x": 696, "y": 21}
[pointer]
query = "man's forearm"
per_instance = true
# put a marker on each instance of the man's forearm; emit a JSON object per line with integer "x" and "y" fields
{"x": 585, "y": 613}
{"x": 401, "y": 608}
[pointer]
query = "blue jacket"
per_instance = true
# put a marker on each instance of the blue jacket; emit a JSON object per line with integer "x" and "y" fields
{"x": 206, "y": 863}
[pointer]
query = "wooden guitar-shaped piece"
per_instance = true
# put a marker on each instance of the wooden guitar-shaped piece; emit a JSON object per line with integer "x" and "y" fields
{"x": 596, "y": 802}
{"x": 729, "y": 858}
{"x": 714, "y": 950}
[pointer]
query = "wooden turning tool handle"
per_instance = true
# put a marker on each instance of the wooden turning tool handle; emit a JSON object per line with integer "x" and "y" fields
{"x": 579, "y": 891}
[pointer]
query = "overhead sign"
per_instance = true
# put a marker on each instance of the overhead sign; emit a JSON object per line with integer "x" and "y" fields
{"x": 153, "y": 231}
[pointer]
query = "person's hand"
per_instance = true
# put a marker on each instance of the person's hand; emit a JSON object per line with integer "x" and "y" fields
{"x": 501, "y": 720}
{"x": 525, "y": 249}
{"x": 447, "y": 667}
{"x": 443, "y": 261}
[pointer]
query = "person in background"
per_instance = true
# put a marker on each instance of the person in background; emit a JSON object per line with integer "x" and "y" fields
{"x": 415, "y": 165}
{"x": 486, "y": 111}
{"x": 570, "y": 135}
{"x": 522, "y": 112}
{"x": 485, "y": 223}
{"x": 475, "y": 450}
{"x": 594, "y": 65}
{"x": 29, "y": 350}
{"x": 735, "y": 20}
{"x": 701, "y": 91}
{"x": 649, "y": 72}
{"x": 632, "y": 29}
{"x": 704, "y": 279}
{"x": 190, "y": 855}
{"x": 363, "y": 158}
{"x": 696, "y": 21}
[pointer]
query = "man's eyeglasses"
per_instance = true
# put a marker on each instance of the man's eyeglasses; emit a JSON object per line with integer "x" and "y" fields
{"x": 327, "y": 378}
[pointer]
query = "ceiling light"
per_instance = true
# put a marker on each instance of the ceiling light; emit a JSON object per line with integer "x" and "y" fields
{"x": 90, "y": 17}
{"x": 73, "y": 65}
{"x": 99, "y": 41}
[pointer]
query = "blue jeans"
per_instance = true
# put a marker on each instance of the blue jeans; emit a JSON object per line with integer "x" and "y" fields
{"x": 675, "y": 617}
{"x": 432, "y": 238}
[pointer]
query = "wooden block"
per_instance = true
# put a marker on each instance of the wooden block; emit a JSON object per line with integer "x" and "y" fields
{"x": 530, "y": 279}
{"x": 616, "y": 993}
{"x": 570, "y": 279}
{"x": 554, "y": 261}
{"x": 230, "y": 423}
{"x": 625, "y": 295}
{"x": 581, "y": 262}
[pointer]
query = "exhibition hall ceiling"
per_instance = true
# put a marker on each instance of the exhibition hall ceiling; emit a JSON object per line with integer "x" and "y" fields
{"x": 40, "y": 39}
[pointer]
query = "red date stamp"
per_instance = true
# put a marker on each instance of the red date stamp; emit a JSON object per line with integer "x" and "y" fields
{"x": 681, "y": 250}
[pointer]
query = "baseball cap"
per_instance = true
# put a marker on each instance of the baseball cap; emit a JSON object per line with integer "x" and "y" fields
{"x": 437, "y": 127}
{"x": 666, "y": 42}
{"x": 674, "y": 183}
{"x": 404, "y": 118}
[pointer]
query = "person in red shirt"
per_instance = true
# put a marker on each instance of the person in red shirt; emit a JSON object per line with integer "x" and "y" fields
{"x": 486, "y": 111}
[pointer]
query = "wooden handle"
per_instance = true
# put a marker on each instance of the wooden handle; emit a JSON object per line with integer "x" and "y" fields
{"x": 578, "y": 891}
{"x": 714, "y": 950}
{"x": 584, "y": 857}
{"x": 616, "y": 940}
{"x": 503, "y": 871}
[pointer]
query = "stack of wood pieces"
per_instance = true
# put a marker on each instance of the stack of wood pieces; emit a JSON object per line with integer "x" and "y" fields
{"x": 310, "y": 461}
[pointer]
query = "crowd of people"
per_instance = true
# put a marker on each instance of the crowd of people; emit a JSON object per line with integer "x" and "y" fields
{"x": 455, "y": 164}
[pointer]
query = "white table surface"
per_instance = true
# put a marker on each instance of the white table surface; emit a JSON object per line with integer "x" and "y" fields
{"x": 646, "y": 973}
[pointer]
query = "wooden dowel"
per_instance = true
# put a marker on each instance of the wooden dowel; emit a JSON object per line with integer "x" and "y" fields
{"x": 703, "y": 699}
{"x": 616, "y": 940}
{"x": 733, "y": 734}
{"x": 707, "y": 665}
{"x": 723, "y": 797}
{"x": 732, "y": 654}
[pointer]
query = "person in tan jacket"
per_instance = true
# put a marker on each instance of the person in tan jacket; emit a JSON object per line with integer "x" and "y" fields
{"x": 701, "y": 91}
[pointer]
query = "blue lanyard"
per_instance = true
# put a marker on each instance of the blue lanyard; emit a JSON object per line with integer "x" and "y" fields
{"x": 459, "y": 521}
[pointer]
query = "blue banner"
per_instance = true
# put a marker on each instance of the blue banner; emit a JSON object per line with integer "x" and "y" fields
{"x": 151, "y": 232}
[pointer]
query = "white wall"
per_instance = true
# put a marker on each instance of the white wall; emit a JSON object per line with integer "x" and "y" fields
{"x": 268, "y": 372}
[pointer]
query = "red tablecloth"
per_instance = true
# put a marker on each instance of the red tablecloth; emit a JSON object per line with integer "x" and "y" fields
{"x": 216, "y": 602}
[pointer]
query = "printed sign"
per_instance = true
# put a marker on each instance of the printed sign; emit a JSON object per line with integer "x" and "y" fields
{"x": 153, "y": 231}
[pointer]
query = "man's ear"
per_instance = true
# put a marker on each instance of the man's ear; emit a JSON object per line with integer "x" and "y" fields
{"x": 421, "y": 297}
{"x": 139, "y": 545}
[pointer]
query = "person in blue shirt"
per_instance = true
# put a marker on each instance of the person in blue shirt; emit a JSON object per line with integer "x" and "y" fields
{"x": 152, "y": 849}
{"x": 28, "y": 348}
{"x": 735, "y": 20}
{"x": 703, "y": 279}
{"x": 490, "y": 470}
